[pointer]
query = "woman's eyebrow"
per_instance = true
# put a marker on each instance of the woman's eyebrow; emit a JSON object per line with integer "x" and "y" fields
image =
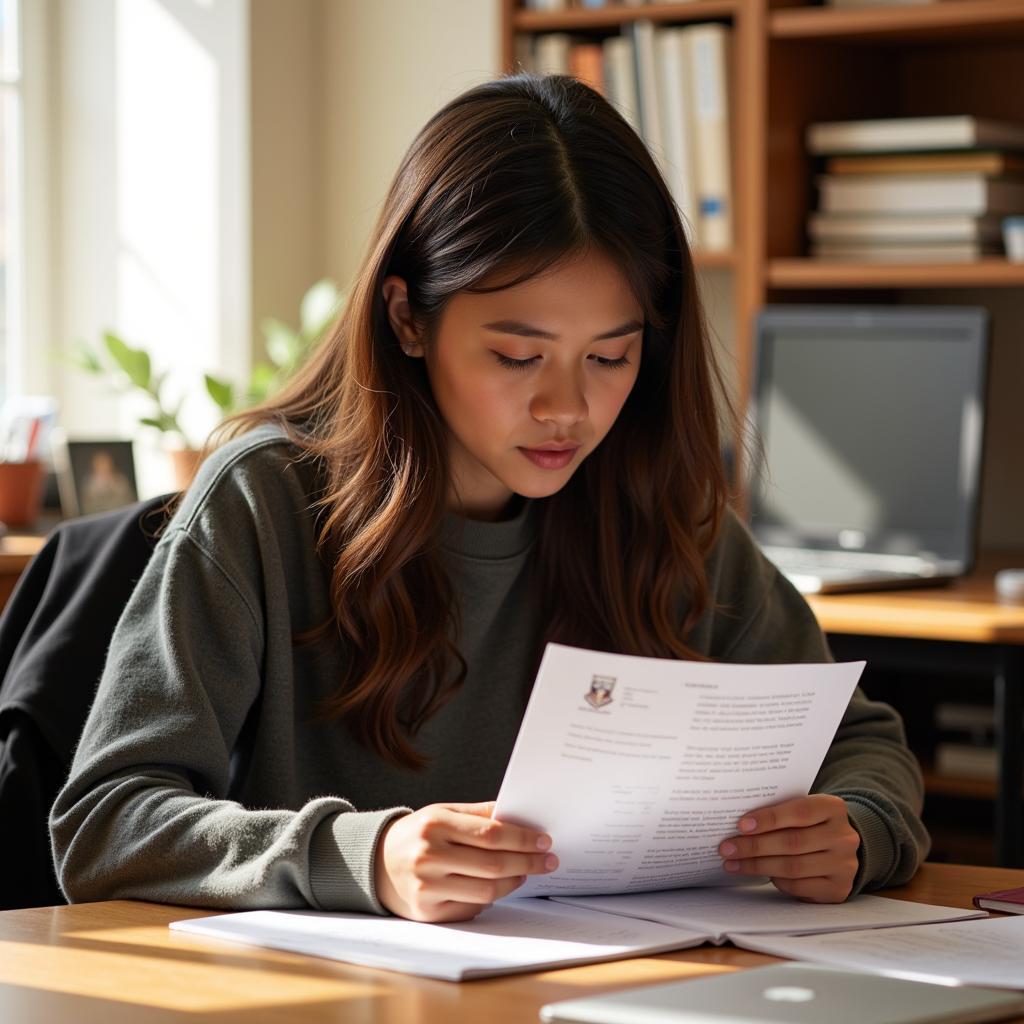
{"x": 526, "y": 331}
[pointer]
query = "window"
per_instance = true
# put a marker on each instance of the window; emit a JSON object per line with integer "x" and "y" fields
{"x": 11, "y": 161}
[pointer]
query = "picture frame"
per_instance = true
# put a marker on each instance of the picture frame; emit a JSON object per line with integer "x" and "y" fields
{"x": 94, "y": 475}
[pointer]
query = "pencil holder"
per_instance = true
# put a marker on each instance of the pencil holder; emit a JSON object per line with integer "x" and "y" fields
{"x": 21, "y": 492}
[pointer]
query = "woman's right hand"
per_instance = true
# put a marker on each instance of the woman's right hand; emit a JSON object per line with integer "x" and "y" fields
{"x": 447, "y": 862}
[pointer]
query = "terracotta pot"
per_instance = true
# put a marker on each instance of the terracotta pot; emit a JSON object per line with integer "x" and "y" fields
{"x": 184, "y": 463}
{"x": 21, "y": 492}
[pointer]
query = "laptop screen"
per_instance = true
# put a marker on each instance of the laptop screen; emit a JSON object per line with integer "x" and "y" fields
{"x": 871, "y": 422}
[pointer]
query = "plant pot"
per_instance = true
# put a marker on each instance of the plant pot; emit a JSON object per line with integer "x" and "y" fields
{"x": 21, "y": 492}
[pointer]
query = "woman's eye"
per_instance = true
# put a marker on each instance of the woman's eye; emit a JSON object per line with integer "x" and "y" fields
{"x": 515, "y": 364}
{"x": 524, "y": 364}
{"x": 611, "y": 364}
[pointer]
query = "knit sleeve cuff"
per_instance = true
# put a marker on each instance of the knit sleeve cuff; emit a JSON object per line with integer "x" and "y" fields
{"x": 877, "y": 853}
{"x": 341, "y": 860}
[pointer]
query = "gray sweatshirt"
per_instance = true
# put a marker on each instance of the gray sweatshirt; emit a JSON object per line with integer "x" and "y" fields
{"x": 204, "y": 775}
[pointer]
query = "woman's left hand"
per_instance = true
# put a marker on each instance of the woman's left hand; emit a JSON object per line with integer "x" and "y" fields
{"x": 807, "y": 847}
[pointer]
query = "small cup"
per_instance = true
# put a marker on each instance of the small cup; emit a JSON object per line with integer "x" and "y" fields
{"x": 1013, "y": 238}
{"x": 1009, "y": 585}
{"x": 21, "y": 492}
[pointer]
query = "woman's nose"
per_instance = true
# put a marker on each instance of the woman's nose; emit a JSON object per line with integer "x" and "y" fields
{"x": 560, "y": 400}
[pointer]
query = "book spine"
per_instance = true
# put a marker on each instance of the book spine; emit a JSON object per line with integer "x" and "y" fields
{"x": 904, "y": 195}
{"x": 677, "y": 124}
{"x": 708, "y": 50}
{"x": 620, "y": 79}
{"x": 643, "y": 36}
{"x": 910, "y": 229}
{"x": 586, "y": 62}
{"x": 894, "y": 135}
{"x": 551, "y": 54}
{"x": 524, "y": 54}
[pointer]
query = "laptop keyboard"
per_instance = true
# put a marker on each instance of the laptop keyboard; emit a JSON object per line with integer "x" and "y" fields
{"x": 836, "y": 564}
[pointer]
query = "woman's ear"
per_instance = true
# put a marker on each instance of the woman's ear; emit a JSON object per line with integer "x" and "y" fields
{"x": 396, "y": 302}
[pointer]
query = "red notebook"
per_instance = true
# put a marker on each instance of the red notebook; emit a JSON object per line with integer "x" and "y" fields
{"x": 1009, "y": 901}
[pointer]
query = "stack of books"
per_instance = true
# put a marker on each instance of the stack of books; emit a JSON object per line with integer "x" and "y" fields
{"x": 564, "y": 5}
{"x": 847, "y": 4}
{"x": 915, "y": 189}
{"x": 672, "y": 85}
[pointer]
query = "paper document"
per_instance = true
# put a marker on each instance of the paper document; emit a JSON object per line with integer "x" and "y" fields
{"x": 762, "y": 909}
{"x": 527, "y": 935}
{"x": 639, "y": 767}
{"x": 505, "y": 938}
{"x": 989, "y": 952}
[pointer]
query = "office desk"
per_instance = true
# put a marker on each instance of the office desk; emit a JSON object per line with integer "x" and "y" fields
{"x": 964, "y": 627}
{"x": 16, "y": 551}
{"x": 115, "y": 963}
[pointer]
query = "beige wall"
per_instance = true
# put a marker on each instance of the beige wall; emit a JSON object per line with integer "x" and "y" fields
{"x": 388, "y": 66}
{"x": 287, "y": 157}
{"x": 339, "y": 90}
{"x": 151, "y": 229}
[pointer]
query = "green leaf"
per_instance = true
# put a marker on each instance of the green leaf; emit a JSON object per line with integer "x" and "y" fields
{"x": 282, "y": 343}
{"x": 150, "y": 422}
{"x": 84, "y": 358}
{"x": 262, "y": 382}
{"x": 133, "y": 361}
{"x": 318, "y": 308}
{"x": 222, "y": 393}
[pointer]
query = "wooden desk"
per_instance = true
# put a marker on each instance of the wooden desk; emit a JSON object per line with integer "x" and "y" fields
{"x": 16, "y": 551}
{"x": 965, "y": 627}
{"x": 117, "y": 962}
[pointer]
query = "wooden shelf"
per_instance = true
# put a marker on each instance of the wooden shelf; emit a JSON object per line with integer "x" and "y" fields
{"x": 715, "y": 260}
{"x": 953, "y": 785}
{"x": 959, "y": 19}
{"x": 810, "y": 273}
{"x": 580, "y": 19}
{"x": 17, "y": 550}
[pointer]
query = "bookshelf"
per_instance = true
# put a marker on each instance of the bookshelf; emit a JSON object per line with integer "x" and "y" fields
{"x": 794, "y": 63}
{"x": 797, "y": 62}
{"x": 807, "y": 273}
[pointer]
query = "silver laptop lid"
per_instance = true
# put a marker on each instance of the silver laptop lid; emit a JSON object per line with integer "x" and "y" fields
{"x": 790, "y": 994}
{"x": 871, "y": 421}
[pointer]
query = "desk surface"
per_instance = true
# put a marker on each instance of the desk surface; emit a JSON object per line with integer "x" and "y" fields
{"x": 965, "y": 610}
{"x": 117, "y": 962}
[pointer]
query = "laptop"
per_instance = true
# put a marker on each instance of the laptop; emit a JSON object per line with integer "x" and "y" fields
{"x": 870, "y": 423}
{"x": 792, "y": 993}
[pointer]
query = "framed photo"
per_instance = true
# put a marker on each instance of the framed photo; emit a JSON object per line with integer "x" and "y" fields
{"x": 95, "y": 476}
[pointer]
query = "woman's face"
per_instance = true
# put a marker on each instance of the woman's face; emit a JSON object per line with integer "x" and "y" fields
{"x": 529, "y": 379}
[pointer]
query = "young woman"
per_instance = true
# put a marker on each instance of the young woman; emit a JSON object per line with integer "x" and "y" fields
{"x": 511, "y": 437}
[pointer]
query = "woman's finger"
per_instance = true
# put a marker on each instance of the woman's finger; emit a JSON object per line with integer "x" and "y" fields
{"x": 809, "y": 865}
{"x": 478, "y": 891}
{"x": 814, "y": 890}
{"x": 791, "y": 841}
{"x": 458, "y": 859}
{"x": 801, "y": 812}
{"x": 471, "y": 829}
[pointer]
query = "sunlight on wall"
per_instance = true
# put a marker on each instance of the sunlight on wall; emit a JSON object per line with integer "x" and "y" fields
{"x": 167, "y": 119}
{"x": 155, "y": 226}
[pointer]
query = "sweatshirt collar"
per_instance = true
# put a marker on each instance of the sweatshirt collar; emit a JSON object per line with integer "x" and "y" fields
{"x": 476, "y": 539}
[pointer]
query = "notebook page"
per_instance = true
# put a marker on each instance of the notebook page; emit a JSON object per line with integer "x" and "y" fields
{"x": 989, "y": 952}
{"x": 762, "y": 909}
{"x": 507, "y": 937}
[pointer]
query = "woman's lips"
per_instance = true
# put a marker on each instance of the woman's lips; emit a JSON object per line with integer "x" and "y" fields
{"x": 548, "y": 458}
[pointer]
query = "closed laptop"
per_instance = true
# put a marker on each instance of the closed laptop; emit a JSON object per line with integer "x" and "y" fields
{"x": 790, "y": 994}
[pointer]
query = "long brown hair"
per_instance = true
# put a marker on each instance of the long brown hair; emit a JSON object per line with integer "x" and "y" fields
{"x": 508, "y": 179}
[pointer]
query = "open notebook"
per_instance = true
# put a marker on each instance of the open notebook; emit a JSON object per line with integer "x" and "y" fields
{"x": 531, "y": 934}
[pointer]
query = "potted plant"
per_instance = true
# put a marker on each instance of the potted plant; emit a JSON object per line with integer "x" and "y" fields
{"x": 131, "y": 370}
